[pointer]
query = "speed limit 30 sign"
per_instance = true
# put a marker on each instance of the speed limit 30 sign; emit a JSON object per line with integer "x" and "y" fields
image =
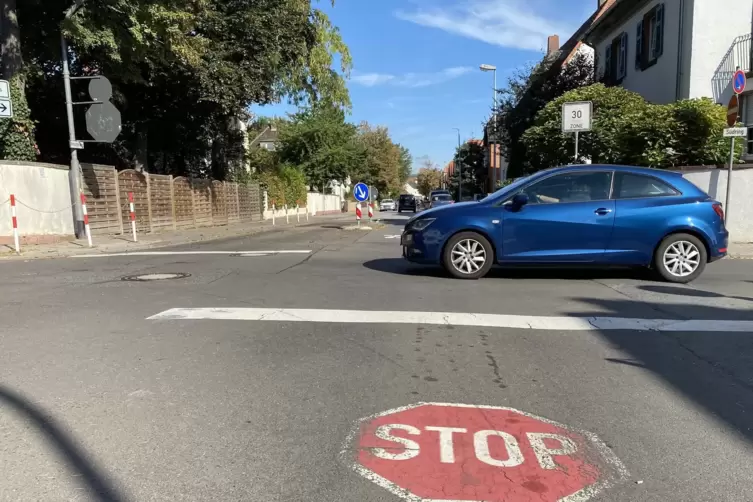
{"x": 432, "y": 452}
{"x": 576, "y": 116}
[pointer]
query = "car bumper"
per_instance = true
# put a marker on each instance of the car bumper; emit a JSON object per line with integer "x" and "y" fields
{"x": 415, "y": 248}
{"x": 719, "y": 248}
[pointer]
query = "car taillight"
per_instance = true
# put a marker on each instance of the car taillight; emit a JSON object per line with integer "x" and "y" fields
{"x": 719, "y": 210}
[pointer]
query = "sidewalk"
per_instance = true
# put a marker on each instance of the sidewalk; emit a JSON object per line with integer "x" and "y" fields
{"x": 124, "y": 243}
{"x": 741, "y": 250}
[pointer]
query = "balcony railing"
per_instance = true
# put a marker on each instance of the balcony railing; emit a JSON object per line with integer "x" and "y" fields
{"x": 738, "y": 56}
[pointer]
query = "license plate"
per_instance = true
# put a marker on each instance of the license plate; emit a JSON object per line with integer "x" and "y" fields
{"x": 406, "y": 239}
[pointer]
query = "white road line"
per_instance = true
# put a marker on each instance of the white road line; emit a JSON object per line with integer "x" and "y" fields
{"x": 172, "y": 253}
{"x": 455, "y": 319}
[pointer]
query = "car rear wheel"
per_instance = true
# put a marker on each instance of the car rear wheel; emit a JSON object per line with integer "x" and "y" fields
{"x": 468, "y": 255}
{"x": 680, "y": 258}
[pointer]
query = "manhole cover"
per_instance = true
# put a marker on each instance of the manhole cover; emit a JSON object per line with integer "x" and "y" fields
{"x": 155, "y": 277}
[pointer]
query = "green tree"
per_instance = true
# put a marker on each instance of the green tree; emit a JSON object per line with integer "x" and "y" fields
{"x": 628, "y": 130}
{"x": 428, "y": 179}
{"x": 381, "y": 165}
{"x": 406, "y": 165}
{"x": 182, "y": 71}
{"x": 322, "y": 144}
{"x": 527, "y": 92}
{"x": 469, "y": 158}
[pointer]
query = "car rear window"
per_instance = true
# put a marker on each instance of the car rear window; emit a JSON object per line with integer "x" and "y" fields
{"x": 406, "y": 197}
{"x": 441, "y": 197}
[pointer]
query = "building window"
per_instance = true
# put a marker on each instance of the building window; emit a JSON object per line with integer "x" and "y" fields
{"x": 615, "y": 63}
{"x": 649, "y": 41}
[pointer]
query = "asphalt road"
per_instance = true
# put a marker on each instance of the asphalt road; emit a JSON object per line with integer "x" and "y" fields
{"x": 98, "y": 402}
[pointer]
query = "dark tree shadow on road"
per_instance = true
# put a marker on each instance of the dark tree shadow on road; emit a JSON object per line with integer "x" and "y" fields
{"x": 400, "y": 266}
{"x": 95, "y": 481}
{"x": 685, "y": 291}
{"x": 713, "y": 369}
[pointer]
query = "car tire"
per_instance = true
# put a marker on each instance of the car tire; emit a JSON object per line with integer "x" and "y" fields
{"x": 463, "y": 242}
{"x": 676, "y": 254}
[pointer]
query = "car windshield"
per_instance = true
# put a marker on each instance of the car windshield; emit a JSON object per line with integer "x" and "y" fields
{"x": 387, "y": 201}
{"x": 507, "y": 190}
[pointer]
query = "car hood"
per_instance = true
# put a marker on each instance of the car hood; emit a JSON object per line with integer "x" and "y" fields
{"x": 445, "y": 210}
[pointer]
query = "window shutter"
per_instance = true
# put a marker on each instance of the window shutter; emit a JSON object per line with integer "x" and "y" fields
{"x": 659, "y": 30}
{"x": 622, "y": 59}
{"x": 608, "y": 63}
{"x": 639, "y": 46}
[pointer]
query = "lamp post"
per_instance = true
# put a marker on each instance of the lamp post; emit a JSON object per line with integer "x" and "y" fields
{"x": 460, "y": 170}
{"x": 492, "y": 151}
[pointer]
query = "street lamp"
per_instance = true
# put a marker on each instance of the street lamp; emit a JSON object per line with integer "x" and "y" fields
{"x": 460, "y": 170}
{"x": 492, "y": 151}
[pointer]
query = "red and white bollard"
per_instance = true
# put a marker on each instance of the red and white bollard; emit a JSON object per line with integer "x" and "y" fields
{"x": 298, "y": 212}
{"x": 287, "y": 217}
{"x": 15, "y": 222}
{"x": 86, "y": 220}
{"x": 371, "y": 211}
{"x": 274, "y": 210}
{"x": 358, "y": 214}
{"x": 133, "y": 215}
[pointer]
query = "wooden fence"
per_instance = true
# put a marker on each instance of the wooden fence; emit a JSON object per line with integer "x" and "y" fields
{"x": 163, "y": 202}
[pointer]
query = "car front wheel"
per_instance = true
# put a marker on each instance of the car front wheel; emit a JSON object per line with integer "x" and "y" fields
{"x": 680, "y": 258}
{"x": 468, "y": 255}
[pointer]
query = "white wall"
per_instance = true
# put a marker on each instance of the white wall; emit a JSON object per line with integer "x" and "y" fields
{"x": 716, "y": 23}
{"x": 659, "y": 82}
{"x": 740, "y": 217}
{"x": 44, "y": 188}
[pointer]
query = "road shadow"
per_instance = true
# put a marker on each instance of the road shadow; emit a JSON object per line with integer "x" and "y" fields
{"x": 687, "y": 291}
{"x": 400, "y": 266}
{"x": 713, "y": 369}
{"x": 96, "y": 482}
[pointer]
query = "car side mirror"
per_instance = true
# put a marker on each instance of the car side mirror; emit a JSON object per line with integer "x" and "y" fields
{"x": 519, "y": 200}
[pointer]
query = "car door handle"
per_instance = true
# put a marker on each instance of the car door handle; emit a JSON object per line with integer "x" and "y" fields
{"x": 602, "y": 211}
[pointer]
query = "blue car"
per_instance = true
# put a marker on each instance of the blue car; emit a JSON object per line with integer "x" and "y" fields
{"x": 589, "y": 214}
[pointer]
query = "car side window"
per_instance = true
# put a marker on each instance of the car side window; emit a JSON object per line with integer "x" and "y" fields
{"x": 636, "y": 186}
{"x": 570, "y": 187}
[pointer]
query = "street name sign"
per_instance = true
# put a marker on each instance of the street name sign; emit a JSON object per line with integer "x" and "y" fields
{"x": 4, "y": 89}
{"x": 576, "y": 116}
{"x": 457, "y": 452}
{"x": 361, "y": 192}
{"x": 736, "y": 132}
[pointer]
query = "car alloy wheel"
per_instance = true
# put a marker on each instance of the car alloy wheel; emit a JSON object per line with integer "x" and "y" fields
{"x": 468, "y": 256}
{"x": 681, "y": 258}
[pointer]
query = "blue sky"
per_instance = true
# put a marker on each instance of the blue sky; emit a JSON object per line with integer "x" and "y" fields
{"x": 416, "y": 62}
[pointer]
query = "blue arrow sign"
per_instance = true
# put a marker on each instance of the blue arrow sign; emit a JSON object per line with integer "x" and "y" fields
{"x": 361, "y": 192}
{"x": 738, "y": 82}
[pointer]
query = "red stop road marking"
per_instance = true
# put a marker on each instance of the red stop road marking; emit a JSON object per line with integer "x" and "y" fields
{"x": 430, "y": 452}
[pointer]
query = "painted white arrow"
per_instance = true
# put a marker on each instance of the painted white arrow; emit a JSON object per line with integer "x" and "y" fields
{"x": 392, "y": 236}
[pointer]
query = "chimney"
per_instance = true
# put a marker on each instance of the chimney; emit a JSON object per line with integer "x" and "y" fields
{"x": 552, "y": 44}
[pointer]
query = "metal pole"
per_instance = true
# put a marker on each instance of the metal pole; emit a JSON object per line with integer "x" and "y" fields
{"x": 74, "y": 174}
{"x": 729, "y": 180}
{"x": 494, "y": 128}
{"x": 460, "y": 171}
{"x": 576, "y": 147}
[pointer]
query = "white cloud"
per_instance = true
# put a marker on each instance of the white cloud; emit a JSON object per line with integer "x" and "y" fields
{"x": 410, "y": 79}
{"x": 506, "y": 23}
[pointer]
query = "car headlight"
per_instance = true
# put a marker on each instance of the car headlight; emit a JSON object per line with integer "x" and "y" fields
{"x": 419, "y": 224}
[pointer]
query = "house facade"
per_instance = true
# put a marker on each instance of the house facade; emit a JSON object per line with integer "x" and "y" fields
{"x": 667, "y": 50}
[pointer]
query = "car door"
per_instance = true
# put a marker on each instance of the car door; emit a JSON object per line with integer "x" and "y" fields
{"x": 643, "y": 208}
{"x": 568, "y": 218}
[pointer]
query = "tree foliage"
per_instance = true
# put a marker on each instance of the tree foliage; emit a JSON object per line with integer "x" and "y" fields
{"x": 527, "y": 92}
{"x": 428, "y": 179}
{"x": 285, "y": 185}
{"x": 628, "y": 130}
{"x": 320, "y": 142}
{"x": 469, "y": 159}
{"x": 182, "y": 72}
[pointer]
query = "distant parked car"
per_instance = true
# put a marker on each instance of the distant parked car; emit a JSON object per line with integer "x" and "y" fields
{"x": 407, "y": 202}
{"x": 387, "y": 205}
{"x": 441, "y": 199}
{"x": 437, "y": 192}
{"x": 590, "y": 214}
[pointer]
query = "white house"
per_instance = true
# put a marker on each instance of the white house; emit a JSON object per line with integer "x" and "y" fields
{"x": 667, "y": 50}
